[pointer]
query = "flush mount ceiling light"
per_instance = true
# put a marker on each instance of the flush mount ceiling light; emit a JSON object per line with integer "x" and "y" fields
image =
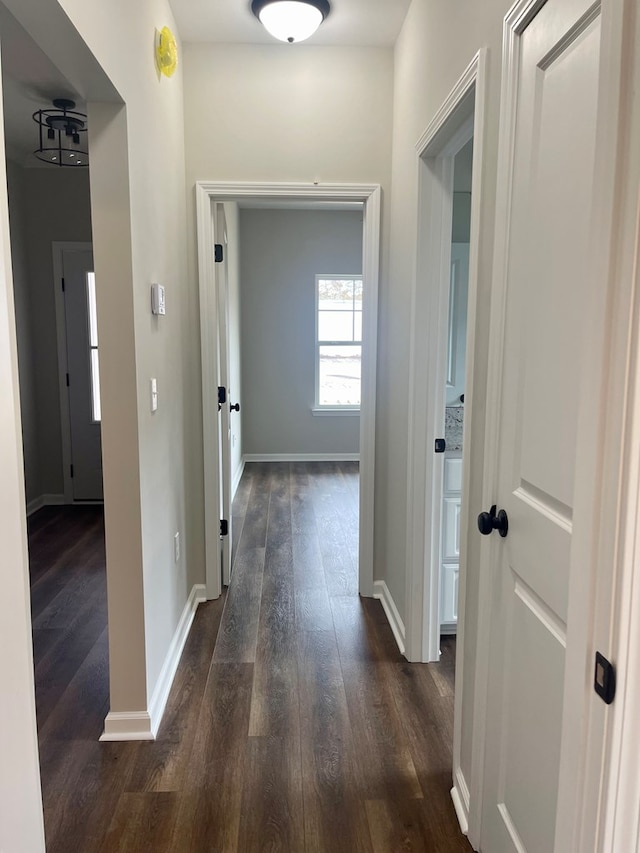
{"x": 62, "y": 133}
{"x": 291, "y": 20}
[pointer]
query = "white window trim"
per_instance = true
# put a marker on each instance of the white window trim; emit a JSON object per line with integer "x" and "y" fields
{"x": 318, "y": 409}
{"x": 335, "y": 411}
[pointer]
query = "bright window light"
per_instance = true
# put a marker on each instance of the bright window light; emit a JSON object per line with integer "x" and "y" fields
{"x": 94, "y": 367}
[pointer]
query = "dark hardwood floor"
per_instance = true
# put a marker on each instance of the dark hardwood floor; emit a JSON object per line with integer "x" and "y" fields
{"x": 294, "y": 724}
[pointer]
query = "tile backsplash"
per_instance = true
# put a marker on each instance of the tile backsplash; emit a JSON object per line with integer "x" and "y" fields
{"x": 453, "y": 421}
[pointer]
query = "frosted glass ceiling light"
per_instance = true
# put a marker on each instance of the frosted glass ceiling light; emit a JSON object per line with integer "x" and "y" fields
{"x": 290, "y": 20}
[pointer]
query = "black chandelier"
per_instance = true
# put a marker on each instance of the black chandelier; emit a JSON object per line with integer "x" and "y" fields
{"x": 62, "y": 134}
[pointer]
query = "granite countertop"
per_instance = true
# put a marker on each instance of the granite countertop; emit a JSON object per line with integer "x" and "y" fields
{"x": 453, "y": 421}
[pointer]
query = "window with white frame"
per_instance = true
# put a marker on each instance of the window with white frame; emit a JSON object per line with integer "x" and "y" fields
{"x": 338, "y": 341}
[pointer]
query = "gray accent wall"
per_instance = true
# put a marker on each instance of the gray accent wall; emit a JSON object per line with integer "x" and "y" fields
{"x": 282, "y": 252}
{"x": 45, "y": 205}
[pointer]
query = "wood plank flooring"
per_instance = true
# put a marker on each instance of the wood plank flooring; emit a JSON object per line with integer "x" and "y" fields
{"x": 293, "y": 724}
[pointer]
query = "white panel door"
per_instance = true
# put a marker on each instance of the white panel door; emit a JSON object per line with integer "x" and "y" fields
{"x": 449, "y": 595}
{"x": 225, "y": 411}
{"x": 451, "y": 528}
{"x": 458, "y": 303}
{"x": 453, "y": 473}
{"x": 548, "y": 228}
{"x": 83, "y": 376}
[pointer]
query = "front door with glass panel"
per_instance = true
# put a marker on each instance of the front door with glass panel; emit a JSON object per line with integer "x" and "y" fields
{"x": 83, "y": 374}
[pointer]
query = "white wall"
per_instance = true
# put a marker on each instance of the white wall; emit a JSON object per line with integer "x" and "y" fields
{"x": 437, "y": 42}
{"x": 282, "y": 252}
{"x": 45, "y": 205}
{"x": 269, "y": 113}
{"x": 21, "y": 823}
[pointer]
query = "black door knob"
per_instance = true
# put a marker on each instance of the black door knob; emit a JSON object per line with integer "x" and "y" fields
{"x": 490, "y": 521}
{"x": 234, "y": 407}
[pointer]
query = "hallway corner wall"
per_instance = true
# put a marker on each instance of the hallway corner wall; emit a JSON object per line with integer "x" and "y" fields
{"x": 436, "y": 44}
{"x": 21, "y": 820}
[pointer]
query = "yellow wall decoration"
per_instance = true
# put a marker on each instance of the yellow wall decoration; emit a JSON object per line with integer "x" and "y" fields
{"x": 166, "y": 52}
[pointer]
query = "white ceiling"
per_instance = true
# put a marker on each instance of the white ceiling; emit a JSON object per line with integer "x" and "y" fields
{"x": 350, "y": 22}
{"x": 31, "y": 81}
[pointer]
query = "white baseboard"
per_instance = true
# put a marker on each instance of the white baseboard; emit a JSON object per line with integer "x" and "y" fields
{"x": 302, "y": 457}
{"x": 144, "y": 725}
{"x": 460, "y": 797}
{"x": 237, "y": 477}
{"x": 127, "y": 725}
{"x": 167, "y": 673}
{"x": 44, "y": 500}
{"x": 381, "y": 592}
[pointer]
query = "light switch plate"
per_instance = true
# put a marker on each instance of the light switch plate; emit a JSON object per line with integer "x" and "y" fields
{"x": 154, "y": 395}
{"x": 157, "y": 300}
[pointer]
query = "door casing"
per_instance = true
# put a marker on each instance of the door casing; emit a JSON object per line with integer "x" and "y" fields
{"x": 460, "y": 117}
{"x": 207, "y": 195}
{"x": 226, "y": 486}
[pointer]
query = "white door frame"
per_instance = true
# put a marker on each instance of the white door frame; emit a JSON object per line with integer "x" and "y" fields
{"x": 605, "y": 805}
{"x": 58, "y": 249}
{"x": 226, "y": 488}
{"x": 605, "y": 493}
{"x": 460, "y": 117}
{"x": 207, "y": 193}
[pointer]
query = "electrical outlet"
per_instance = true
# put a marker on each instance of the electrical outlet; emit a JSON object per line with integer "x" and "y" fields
{"x": 176, "y": 547}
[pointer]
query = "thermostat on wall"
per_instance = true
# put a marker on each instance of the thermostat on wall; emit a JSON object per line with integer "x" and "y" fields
{"x": 157, "y": 299}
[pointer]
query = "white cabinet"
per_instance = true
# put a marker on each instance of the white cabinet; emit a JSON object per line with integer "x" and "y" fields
{"x": 450, "y": 542}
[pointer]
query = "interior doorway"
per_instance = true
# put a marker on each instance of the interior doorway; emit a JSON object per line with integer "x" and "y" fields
{"x": 209, "y": 196}
{"x": 439, "y": 471}
{"x": 36, "y": 71}
{"x": 441, "y": 380}
{"x": 289, "y": 325}
{"x": 450, "y": 505}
